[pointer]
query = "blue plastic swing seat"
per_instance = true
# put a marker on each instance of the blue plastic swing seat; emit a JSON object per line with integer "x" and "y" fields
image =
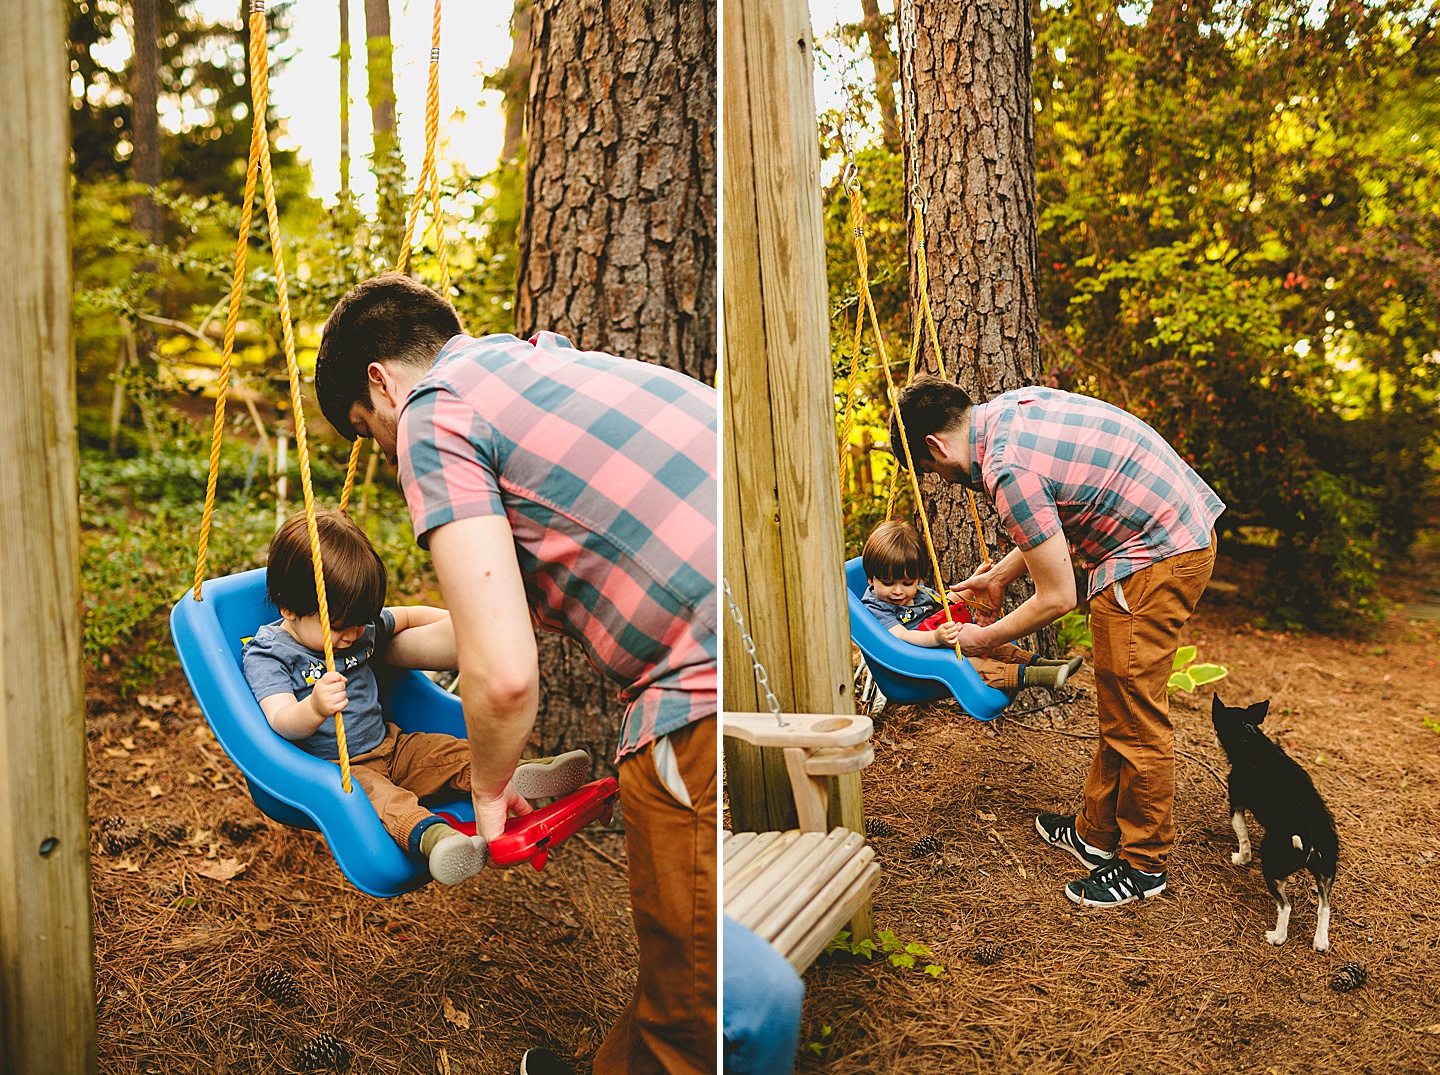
{"x": 909, "y": 673}
{"x": 288, "y": 785}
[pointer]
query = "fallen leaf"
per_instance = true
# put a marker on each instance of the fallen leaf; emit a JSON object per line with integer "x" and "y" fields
{"x": 983, "y": 816}
{"x": 128, "y": 742}
{"x": 155, "y": 790}
{"x": 149, "y": 723}
{"x": 156, "y": 701}
{"x": 116, "y": 752}
{"x": 125, "y": 865}
{"x": 223, "y": 870}
{"x": 453, "y": 1015}
{"x": 1433, "y": 1028}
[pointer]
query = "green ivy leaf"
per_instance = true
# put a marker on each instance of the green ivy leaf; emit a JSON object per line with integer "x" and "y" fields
{"x": 1202, "y": 674}
{"x": 934, "y": 969}
{"x": 1183, "y": 656}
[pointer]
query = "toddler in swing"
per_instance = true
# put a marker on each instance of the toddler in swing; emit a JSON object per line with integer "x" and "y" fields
{"x": 284, "y": 664}
{"x": 913, "y": 613}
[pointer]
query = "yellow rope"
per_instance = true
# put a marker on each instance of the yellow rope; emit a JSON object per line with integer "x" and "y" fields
{"x": 260, "y": 161}
{"x": 350, "y": 468}
{"x": 850, "y": 389}
{"x": 237, "y": 287}
{"x": 428, "y": 181}
{"x": 857, "y": 212}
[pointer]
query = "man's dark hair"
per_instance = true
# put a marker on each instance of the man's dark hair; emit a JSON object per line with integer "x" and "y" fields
{"x": 354, "y": 573}
{"x": 389, "y": 318}
{"x": 929, "y": 406}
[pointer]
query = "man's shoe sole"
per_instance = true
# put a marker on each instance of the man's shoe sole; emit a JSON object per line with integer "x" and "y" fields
{"x": 1066, "y": 847}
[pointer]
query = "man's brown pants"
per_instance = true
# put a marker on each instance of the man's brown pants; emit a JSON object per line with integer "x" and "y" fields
{"x": 669, "y": 1025}
{"x": 1130, "y": 792}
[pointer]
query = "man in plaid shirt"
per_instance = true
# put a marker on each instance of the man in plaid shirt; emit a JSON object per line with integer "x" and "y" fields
{"x": 580, "y": 488}
{"x": 1074, "y": 476}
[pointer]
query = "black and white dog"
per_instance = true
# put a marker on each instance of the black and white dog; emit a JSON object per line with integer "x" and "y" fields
{"x": 1299, "y": 831}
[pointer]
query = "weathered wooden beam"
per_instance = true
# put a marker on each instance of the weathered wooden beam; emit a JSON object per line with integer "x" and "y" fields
{"x": 47, "y": 999}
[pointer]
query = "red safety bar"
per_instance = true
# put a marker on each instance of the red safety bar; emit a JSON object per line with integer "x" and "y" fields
{"x": 531, "y": 838}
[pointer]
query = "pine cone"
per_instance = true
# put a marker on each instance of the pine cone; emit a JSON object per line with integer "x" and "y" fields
{"x": 118, "y": 834}
{"x": 988, "y": 953}
{"x": 324, "y": 1052}
{"x": 927, "y": 845}
{"x": 875, "y": 826}
{"x": 278, "y": 984}
{"x": 1350, "y": 976}
{"x": 167, "y": 831}
{"x": 237, "y": 831}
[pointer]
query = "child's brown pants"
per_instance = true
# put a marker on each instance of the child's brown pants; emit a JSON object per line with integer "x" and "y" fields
{"x": 1130, "y": 792}
{"x": 1000, "y": 667}
{"x": 405, "y": 767}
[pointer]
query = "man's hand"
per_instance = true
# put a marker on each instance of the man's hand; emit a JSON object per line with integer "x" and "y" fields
{"x": 984, "y": 587}
{"x": 946, "y": 634}
{"x": 972, "y": 640}
{"x": 328, "y": 697}
{"x": 491, "y": 811}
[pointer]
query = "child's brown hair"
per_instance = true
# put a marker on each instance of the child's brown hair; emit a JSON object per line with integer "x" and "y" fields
{"x": 354, "y": 573}
{"x": 892, "y": 552}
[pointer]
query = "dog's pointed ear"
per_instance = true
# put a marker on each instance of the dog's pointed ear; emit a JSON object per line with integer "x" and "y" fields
{"x": 1257, "y": 712}
{"x": 1216, "y": 705}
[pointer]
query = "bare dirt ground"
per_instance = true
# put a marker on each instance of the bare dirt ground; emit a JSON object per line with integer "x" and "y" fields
{"x": 443, "y": 980}
{"x": 1186, "y": 982}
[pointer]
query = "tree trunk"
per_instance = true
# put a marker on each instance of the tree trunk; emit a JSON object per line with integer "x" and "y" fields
{"x": 882, "y": 59}
{"x": 344, "y": 100}
{"x": 514, "y": 82}
{"x": 386, "y": 161}
{"x": 617, "y": 241}
{"x": 975, "y": 139}
{"x": 145, "y": 116}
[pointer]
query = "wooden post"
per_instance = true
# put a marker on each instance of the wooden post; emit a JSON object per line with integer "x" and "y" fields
{"x": 783, "y": 554}
{"x": 47, "y": 993}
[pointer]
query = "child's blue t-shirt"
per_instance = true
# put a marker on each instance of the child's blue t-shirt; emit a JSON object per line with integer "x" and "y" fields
{"x": 275, "y": 663}
{"x": 927, "y": 603}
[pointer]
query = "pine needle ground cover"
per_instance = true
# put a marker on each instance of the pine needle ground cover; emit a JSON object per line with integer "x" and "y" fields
{"x": 1185, "y": 982}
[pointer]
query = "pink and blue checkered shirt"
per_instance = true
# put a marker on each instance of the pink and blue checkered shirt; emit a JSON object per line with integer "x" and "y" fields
{"x": 1053, "y": 461}
{"x": 606, "y": 470}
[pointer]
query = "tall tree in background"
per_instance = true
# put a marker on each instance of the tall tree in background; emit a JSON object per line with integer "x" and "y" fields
{"x": 145, "y": 116}
{"x": 514, "y": 80}
{"x": 882, "y": 59}
{"x": 344, "y": 56}
{"x": 974, "y": 142}
{"x": 386, "y": 162}
{"x": 617, "y": 242}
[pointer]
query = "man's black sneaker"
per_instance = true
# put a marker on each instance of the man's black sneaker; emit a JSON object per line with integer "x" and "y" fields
{"x": 1114, "y": 885}
{"x": 1058, "y": 830}
{"x": 543, "y": 1062}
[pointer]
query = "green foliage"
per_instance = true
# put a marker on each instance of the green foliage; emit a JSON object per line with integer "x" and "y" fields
{"x": 1185, "y": 676}
{"x": 820, "y": 1044}
{"x": 1072, "y": 630}
{"x": 901, "y": 954}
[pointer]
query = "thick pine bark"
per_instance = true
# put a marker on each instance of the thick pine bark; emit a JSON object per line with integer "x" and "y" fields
{"x": 380, "y": 91}
{"x": 618, "y": 237}
{"x": 975, "y": 136}
{"x": 617, "y": 241}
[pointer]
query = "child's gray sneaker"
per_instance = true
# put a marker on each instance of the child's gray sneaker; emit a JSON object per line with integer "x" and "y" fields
{"x": 457, "y": 857}
{"x": 549, "y": 777}
{"x": 1058, "y": 830}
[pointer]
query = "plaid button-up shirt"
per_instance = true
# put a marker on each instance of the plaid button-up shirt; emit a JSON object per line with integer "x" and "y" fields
{"x": 606, "y": 471}
{"x": 1053, "y": 461}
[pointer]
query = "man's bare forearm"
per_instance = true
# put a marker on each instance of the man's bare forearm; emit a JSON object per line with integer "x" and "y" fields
{"x": 498, "y": 727}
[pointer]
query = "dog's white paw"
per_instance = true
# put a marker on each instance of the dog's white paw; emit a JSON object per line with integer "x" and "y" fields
{"x": 1240, "y": 858}
{"x": 1322, "y": 944}
{"x": 1275, "y": 936}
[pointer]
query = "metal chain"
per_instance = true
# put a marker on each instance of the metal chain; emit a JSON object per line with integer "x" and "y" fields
{"x": 907, "y": 98}
{"x": 761, "y": 676}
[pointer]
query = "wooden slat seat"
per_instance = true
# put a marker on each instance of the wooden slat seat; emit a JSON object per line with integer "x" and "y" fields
{"x": 797, "y": 889}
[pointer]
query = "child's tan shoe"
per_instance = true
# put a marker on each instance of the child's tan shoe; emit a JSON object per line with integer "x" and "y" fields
{"x": 551, "y": 777}
{"x": 457, "y": 857}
